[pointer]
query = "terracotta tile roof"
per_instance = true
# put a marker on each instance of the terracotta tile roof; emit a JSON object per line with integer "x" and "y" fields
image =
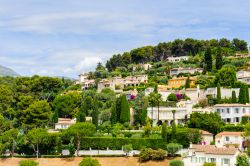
{"x": 65, "y": 121}
{"x": 246, "y": 115}
{"x": 229, "y": 133}
{"x": 203, "y": 132}
{"x": 232, "y": 105}
{"x": 212, "y": 149}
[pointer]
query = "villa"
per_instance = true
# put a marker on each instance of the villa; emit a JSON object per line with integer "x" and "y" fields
{"x": 64, "y": 123}
{"x": 243, "y": 76}
{"x": 181, "y": 81}
{"x": 177, "y": 59}
{"x": 85, "y": 82}
{"x": 229, "y": 139}
{"x": 177, "y": 71}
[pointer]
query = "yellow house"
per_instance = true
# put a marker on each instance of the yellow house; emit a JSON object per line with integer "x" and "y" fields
{"x": 181, "y": 81}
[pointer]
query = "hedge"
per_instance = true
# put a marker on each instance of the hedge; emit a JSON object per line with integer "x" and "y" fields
{"x": 116, "y": 143}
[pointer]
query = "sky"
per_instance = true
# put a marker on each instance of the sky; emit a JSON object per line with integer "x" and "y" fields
{"x": 68, "y": 37}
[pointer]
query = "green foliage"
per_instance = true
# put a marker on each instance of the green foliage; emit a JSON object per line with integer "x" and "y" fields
{"x": 242, "y": 94}
{"x": 218, "y": 93}
{"x": 28, "y": 163}
{"x": 147, "y": 154}
{"x": 176, "y": 163}
{"x": 226, "y": 76}
{"x": 242, "y": 160}
{"x": 232, "y": 127}
{"x": 89, "y": 162}
{"x": 219, "y": 60}
{"x": 36, "y": 115}
{"x": 208, "y": 60}
{"x": 140, "y": 108}
{"x": 117, "y": 143}
{"x": 209, "y": 164}
{"x": 164, "y": 131}
{"x": 125, "y": 110}
{"x": 172, "y": 97}
{"x": 187, "y": 84}
{"x": 234, "y": 98}
{"x": 209, "y": 122}
{"x": 172, "y": 148}
{"x": 113, "y": 118}
{"x": 127, "y": 148}
{"x": 147, "y": 129}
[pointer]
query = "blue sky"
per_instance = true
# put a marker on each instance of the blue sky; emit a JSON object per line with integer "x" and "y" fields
{"x": 67, "y": 37}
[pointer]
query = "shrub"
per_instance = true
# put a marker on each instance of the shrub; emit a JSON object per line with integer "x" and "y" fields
{"x": 28, "y": 163}
{"x": 172, "y": 97}
{"x": 147, "y": 154}
{"x": 172, "y": 148}
{"x": 127, "y": 148}
{"x": 242, "y": 160}
{"x": 176, "y": 163}
{"x": 89, "y": 162}
{"x": 209, "y": 164}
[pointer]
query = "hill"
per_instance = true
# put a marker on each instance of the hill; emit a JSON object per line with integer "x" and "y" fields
{"x": 4, "y": 71}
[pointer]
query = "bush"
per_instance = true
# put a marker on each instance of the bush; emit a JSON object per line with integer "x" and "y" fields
{"x": 147, "y": 154}
{"x": 172, "y": 148}
{"x": 172, "y": 97}
{"x": 89, "y": 162}
{"x": 231, "y": 127}
{"x": 242, "y": 160}
{"x": 28, "y": 163}
{"x": 209, "y": 164}
{"x": 176, "y": 163}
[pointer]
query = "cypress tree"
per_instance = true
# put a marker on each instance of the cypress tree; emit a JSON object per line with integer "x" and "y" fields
{"x": 125, "y": 111}
{"x": 164, "y": 131}
{"x": 95, "y": 116}
{"x": 55, "y": 116}
{"x": 242, "y": 95}
{"x": 208, "y": 60}
{"x": 218, "y": 93}
{"x": 187, "y": 84}
{"x": 113, "y": 115}
{"x": 219, "y": 59}
{"x": 173, "y": 132}
{"x": 118, "y": 109}
{"x": 247, "y": 94}
{"x": 234, "y": 98}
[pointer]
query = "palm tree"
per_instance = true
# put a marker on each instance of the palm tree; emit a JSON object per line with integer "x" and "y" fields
{"x": 155, "y": 100}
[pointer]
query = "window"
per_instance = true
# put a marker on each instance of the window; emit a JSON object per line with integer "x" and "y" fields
{"x": 244, "y": 110}
{"x": 218, "y": 110}
{"x": 228, "y": 110}
{"x": 237, "y": 119}
{"x": 226, "y": 138}
{"x": 211, "y": 160}
{"x": 202, "y": 159}
{"x": 226, "y": 161}
{"x": 236, "y": 110}
{"x": 194, "y": 159}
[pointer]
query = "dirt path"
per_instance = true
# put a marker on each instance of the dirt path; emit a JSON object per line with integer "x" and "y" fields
{"x": 104, "y": 161}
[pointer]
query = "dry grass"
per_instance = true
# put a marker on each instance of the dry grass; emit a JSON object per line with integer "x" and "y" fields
{"x": 104, "y": 161}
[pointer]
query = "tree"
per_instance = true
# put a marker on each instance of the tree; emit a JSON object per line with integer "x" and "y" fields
{"x": 140, "y": 108}
{"x": 113, "y": 118}
{"x": 176, "y": 163}
{"x": 173, "y": 131}
{"x": 125, "y": 111}
{"x": 147, "y": 129}
{"x": 36, "y": 115}
{"x": 36, "y": 137}
{"x": 80, "y": 130}
{"x": 28, "y": 163}
{"x": 247, "y": 130}
{"x": 234, "y": 98}
{"x": 6, "y": 98}
{"x": 10, "y": 137}
{"x": 226, "y": 76}
{"x": 172, "y": 148}
{"x": 164, "y": 131}
{"x": 209, "y": 164}
{"x": 127, "y": 148}
{"x": 218, "y": 93}
{"x": 89, "y": 162}
{"x": 187, "y": 84}
{"x": 247, "y": 94}
{"x": 208, "y": 60}
{"x": 242, "y": 95}
{"x": 95, "y": 114}
{"x": 210, "y": 122}
{"x": 219, "y": 61}
{"x": 242, "y": 160}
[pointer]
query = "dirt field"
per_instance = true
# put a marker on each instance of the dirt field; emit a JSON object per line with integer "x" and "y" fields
{"x": 104, "y": 161}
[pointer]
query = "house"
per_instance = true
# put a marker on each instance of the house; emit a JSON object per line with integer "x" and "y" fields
{"x": 225, "y": 92}
{"x": 181, "y": 81}
{"x": 85, "y": 82}
{"x": 199, "y": 154}
{"x": 119, "y": 83}
{"x": 183, "y": 111}
{"x": 243, "y": 76}
{"x": 232, "y": 113}
{"x": 177, "y": 59}
{"x": 229, "y": 139}
{"x": 207, "y": 137}
{"x": 145, "y": 67}
{"x": 177, "y": 71}
{"x": 64, "y": 123}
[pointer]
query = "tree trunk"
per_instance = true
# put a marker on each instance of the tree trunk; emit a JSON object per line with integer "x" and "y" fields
{"x": 37, "y": 151}
{"x": 13, "y": 147}
{"x": 158, "y": 111}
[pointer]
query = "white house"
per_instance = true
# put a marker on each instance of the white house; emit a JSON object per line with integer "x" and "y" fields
{"x": 225, "y": 92}
{"x": 176, "y": 71}
{"x": 207, "y": 137}
{"x": 229, "y": 139}
{"x": 177, "y": 59}
{"x": 243, "y": 76}
{"x": 199, "y": 154}
{"x": 64, "y": 123}
{"x": 85, "y": 82}
{"x": 232, "y": 113}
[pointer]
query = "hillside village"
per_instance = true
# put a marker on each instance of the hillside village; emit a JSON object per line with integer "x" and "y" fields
{"x": 186, "y": 98}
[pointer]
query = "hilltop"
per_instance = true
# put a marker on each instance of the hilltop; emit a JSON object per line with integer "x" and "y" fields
{"x": 5, "y": 71}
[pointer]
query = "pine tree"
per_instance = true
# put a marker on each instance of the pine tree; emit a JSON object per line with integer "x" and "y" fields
{"x": 125, "y": 111}
{"x": 218, "y": 93}
{"x": 164, "y": 131}
{"x": 242, "y": 95}
{"x": 187, "y": 84}
{"x": 208, "y": 60}
{"x": 113, "y": 118}
{"x": 219, "y": 59}
{"x": 234, "y": 98}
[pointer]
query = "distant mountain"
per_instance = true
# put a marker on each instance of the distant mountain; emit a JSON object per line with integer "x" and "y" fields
{"x": 5, "y": 71}
{"x": 66, "y": 78}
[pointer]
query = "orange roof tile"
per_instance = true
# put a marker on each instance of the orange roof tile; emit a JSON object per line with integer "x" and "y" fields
{"x": 212, "y": 149}
{"x": 229, "y": 133}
